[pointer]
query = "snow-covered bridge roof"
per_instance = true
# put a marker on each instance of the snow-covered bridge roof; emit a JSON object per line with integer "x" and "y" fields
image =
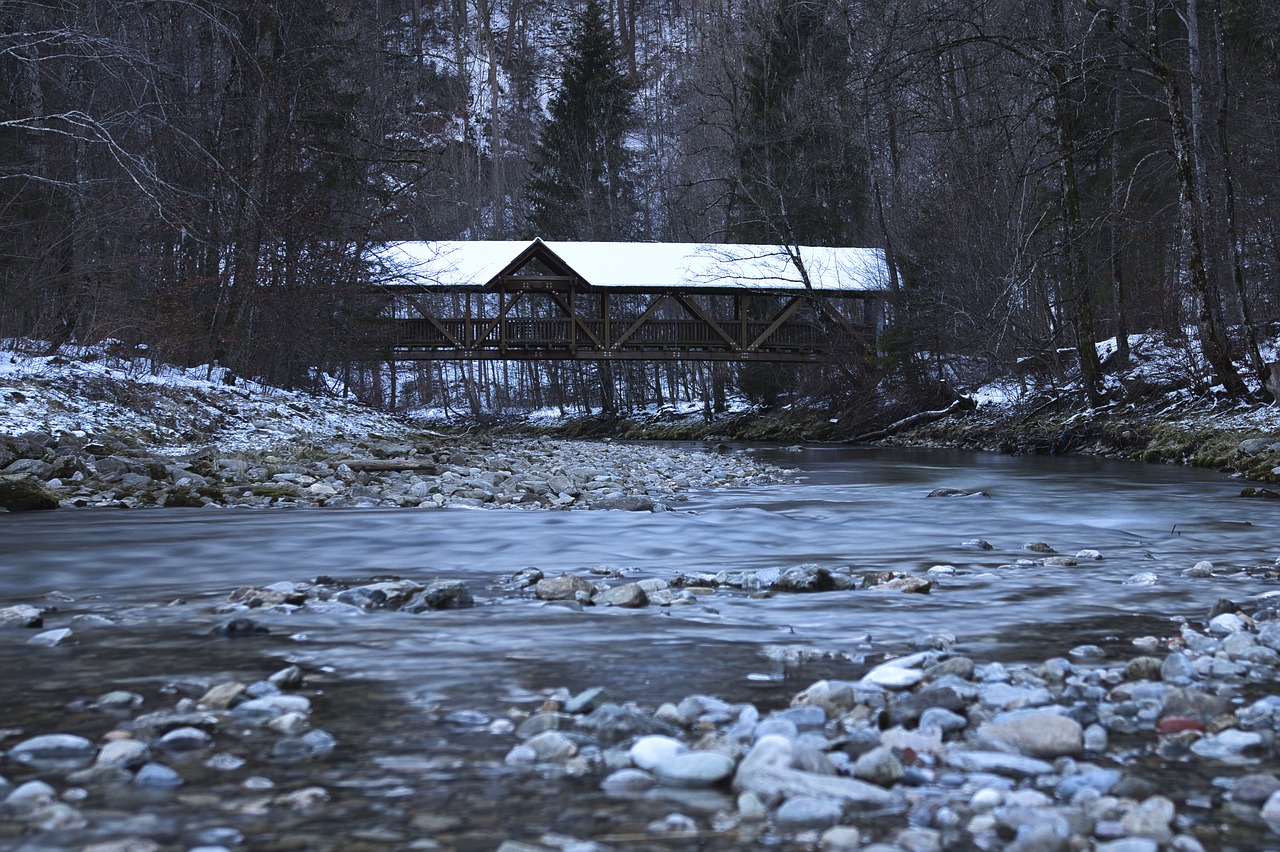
{"x": 463, "y": 264}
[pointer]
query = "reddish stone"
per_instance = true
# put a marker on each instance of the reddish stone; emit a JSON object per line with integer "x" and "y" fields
{"x": 1178, "y": 724}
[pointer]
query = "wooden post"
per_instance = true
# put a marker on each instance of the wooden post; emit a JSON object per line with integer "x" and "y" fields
{"x": 607, "y": 337}
{"x": 573, "y": 320}
{"x": 502, "y": 321}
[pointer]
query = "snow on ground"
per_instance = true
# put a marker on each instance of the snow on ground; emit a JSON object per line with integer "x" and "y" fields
{"x": 551, "y": 416}
{"x": 1162, "y": 372}
{"x": 95, "y": 390}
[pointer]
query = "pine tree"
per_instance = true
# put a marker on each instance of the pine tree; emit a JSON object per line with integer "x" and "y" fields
{"x": 581, "y": 186}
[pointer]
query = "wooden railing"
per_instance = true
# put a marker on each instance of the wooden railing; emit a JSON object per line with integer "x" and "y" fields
{"x": 517, "y": 332}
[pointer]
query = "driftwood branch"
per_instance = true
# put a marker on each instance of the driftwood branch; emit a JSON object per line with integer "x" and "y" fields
{"x": 384, "y": 465}
{"x": 916, "y": 419}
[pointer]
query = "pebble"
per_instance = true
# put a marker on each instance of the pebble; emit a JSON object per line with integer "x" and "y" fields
{"x": 51, "y": 638}
{"x": 129, "y": 754}
{"x": 649, "y": 752}
{"x": 806, "y": 812}
{"x": 879, "y": 766}
{"x": 21, "y": 615}
{"x": 626, "y": 596}
{"x": 157, "y": 775}
{"x": 566, "y": 587}
{"x": 57, "y": 747}
{"x": 503, "y": 473}
{"x": 941, "y": 719}
{"x": 999, "y": 763}
{"x": 695, "y": 769}
{"x": 628, "y": 780}
{"x": 30, "y": 796}
{"x": 840, "y": 838}
{"x": 1231, "y": 745}
{"x": 271, "y": 706}
{"x": 1035, "y": 734}
{"x": 118, "y": 700}
{"x": 1152, "y": 819}
{"x": 186, "y": 739}
{"x": 551, "y": 746}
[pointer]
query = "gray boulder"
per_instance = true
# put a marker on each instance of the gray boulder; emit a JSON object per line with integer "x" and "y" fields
{"x": 29, "y": 467}
{"x": 623, "y": 502}
{"x": 694, "y": 769}
{"x": 566, "y": 587}
{"x": 21, "y": 615}
{"x": 25, "y": 494}
{"x": 442, "y": 594}
{"x": 767, "y": 771}
{"x": 1255, "y": 446}
{"x": 1036, "y": 733}
{"x": 627, "y": 596}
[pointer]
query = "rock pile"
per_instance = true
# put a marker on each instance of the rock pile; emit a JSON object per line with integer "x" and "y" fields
{"x": 933, "y": 751}
{"x": 203, "y": 734}
{"x": 41, "y": 471}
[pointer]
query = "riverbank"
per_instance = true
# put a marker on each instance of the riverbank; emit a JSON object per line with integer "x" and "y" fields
{"x": 100, "y": 429}
{"x": 103, "y": 431}
{"x": 1239, "y": 439}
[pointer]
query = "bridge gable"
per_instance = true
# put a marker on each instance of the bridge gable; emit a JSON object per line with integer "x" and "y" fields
{"x": 537, "y": 267}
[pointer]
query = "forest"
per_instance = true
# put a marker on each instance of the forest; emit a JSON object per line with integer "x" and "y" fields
{"x": 205, "y": 177}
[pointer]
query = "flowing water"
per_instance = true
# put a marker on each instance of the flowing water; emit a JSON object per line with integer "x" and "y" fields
{"x": 386, "y": 683}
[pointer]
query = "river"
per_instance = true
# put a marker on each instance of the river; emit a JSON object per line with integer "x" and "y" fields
{"x": 387, "y": 683}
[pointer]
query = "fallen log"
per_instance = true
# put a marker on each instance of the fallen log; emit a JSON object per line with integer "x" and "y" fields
{"x": 916, "y": 419}
{"x": 387, "y": 465}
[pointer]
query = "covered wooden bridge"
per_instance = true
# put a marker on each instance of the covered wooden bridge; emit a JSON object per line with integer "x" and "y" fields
{"x": 512, "y": 301}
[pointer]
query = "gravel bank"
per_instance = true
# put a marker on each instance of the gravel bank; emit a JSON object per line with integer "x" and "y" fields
{"x": 40, "y": 471}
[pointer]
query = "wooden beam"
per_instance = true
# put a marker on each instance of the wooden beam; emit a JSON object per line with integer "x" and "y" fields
{"x": 641, "y": 320}
{"x": 830, "y": 310}
{"x": 781, "y": 317}
{"x": 497, "y": 321}
{"x": 426, "y": 315}
{"x": 694, "y": 309}
{"x": 572, "y": 311}
{"x": 692, "y": 355}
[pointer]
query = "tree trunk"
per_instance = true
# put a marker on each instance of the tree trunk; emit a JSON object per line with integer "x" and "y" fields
{"x": 1078, "y": 297}
{"x": 1232, "y": 235}
{"x": 1213, "y": 337}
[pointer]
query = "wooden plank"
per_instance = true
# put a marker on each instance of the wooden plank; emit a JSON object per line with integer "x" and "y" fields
{"x": 385, "y": 465}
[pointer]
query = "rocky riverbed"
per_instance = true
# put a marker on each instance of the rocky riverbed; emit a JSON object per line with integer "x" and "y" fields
{"x": 1169, "y": 743}
{"x": 41, "y": 471}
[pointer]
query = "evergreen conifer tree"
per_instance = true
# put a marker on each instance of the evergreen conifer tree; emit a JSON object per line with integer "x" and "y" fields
{"x": 581, "y": 186}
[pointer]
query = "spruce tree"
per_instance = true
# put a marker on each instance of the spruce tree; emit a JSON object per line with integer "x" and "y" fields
{"x": 581, "y": 186}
